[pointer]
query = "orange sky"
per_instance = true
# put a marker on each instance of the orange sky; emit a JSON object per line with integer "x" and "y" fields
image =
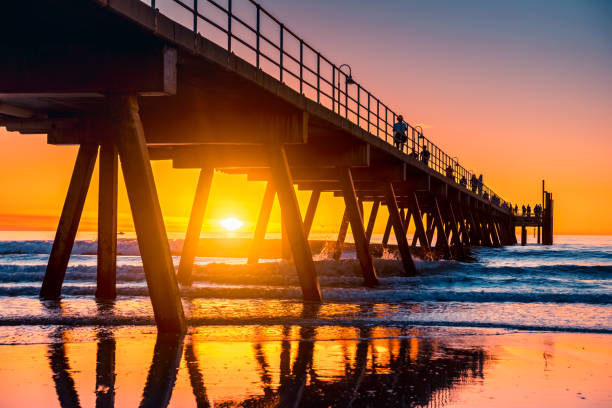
{"x": 518, "y": 92}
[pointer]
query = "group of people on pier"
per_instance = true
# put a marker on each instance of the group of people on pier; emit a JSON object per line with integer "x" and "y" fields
{"x": 537, "y": 210}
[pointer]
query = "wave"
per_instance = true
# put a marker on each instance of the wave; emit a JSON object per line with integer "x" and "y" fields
{"x": 115, "y": 321}
{"x": 359, "y": 295}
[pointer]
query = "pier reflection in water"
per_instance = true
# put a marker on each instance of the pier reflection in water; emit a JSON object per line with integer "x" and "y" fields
{"x": 305, "y": 365}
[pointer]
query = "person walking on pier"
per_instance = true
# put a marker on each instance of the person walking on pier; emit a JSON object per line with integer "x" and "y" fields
{"x": 524, "y": 210}
{"x": 449, "y": 172}
{"x": 528, "y": 210}
{"x": 463, "y": 182}
{"x": 399, "y": 133}
{"x": 480, "y": 185}
{"x": 474, "y": 183}
{"x": 425, "y": 155}
{"x": 516, "y": 209}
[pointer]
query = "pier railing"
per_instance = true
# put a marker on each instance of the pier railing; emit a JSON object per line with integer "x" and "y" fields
{"x": 245, "y": 28}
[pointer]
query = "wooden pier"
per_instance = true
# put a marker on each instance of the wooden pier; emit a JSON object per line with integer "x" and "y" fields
{"x": 126, "y": 82}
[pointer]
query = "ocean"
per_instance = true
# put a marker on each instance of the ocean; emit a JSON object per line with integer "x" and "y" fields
{"x": 520, "y": 326}
{"x": 565, "y": 287}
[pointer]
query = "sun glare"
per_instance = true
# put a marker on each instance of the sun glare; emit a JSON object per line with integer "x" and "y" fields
{"x": 231, "y": 224}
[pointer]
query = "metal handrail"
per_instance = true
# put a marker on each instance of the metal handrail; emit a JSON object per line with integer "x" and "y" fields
{"x": 360, "y": 107}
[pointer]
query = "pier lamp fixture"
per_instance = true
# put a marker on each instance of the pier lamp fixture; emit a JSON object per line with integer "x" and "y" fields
{"x": 348, "y": 81}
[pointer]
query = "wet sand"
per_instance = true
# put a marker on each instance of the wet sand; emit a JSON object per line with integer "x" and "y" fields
{"x": 302, "y": 365}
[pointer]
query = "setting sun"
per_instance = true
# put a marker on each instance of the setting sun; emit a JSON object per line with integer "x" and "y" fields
{"x": 231, "y": 224}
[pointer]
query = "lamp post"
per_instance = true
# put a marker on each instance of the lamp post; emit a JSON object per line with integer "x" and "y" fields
{"x": 348, "y": 81}
{"x": 419, "y": 130}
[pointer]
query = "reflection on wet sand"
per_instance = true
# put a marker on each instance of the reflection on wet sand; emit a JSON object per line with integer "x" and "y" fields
{"x": 390, "y": 371}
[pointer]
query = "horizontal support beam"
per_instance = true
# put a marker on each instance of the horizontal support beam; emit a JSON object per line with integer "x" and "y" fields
{"x": 50, "y": 67}
{"x": 254, "y": 156}
{"x": 317, "y": 174}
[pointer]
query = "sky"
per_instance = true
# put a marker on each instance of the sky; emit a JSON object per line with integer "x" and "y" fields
{"x": 520, "y": 91}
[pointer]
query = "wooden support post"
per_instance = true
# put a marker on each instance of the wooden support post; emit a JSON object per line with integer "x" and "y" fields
{"x": 194, "y": 228}
{"x": 292, "y": 220}
{"x": 372, "y": 220}
{"x": 430, "y": 227}
{"x": 69, "y": 222}
{"x": 413, "y": 205}
{"x": 475, "y": 232}
{"x": 407, "y": 220}
{"x": 148, "y": 220}
{"x": 341, "y": 235}
{"x": 493, "y": 231}
{"x": 262, "y": 224}
{"x": 310, "y": 211}
{"x": 484, "y": 231}
{"x": 462, "y": 224}
{"x": 107, "y": 223}
{"x": 442, "y": 240}
{"x": 285, "y": 245}
{"x": 523, "y": 235}
{"x": 400, "y": 233}
{"x": 356, "y": 219}
{"x": 453, "y": 226}
{"x": 385, "y": 240}
{"x": 539, "y": 223}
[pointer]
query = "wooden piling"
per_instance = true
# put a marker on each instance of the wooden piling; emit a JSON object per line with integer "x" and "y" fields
{"x": 455, "y": 232}
{"x": 356, "y": 219}
{"x": 194, "y": 228}
{"x": 341, "y": 235}
{"x": 310, "y": 211}
{"x": 107, "y": 223}
{"x": 292, "y": 220}
{"x": 262, "y": 224}
{"x": 69, "y": 222}
{"x": 413, "y": 206}
{"x": 400, "y": 233}
{"x": 148, "y": 220}
{"x": 387, "y": 233}
{"x": 523, "y": 235}
{"x": 442, "y": 239}
{"x": 372, "y": 220}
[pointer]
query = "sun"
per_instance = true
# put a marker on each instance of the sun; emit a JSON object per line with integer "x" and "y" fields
{"x": 231, "y": 224}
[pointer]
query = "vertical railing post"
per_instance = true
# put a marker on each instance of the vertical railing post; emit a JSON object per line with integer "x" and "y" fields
{"x": 229, "y": 26}
{"x": 282, "y": 32}
{"x": 257, "y": 29}
{"x": 369, "y": 115}
{"x": 358, "y": 103}
{"x": 334, "y": 90}
{"x": 318, "y": 77}
{"x": 195, "y": 16}
{"x": 301, "y": 66}
{"x": 345, "y": 97}
{"x": 386, "y": 123}
{"x": 377, "y": 117}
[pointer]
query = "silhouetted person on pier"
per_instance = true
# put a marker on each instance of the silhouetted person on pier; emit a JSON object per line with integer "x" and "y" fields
{"x": 399, "y": 132}
{"x": 425, "y": 155}
{"x": 480, "y": 185}
{"x": 516, "y": 209}
{"x": 528, "y": 210}
{"x": 474, "y": 183}
{"x": 463, "y": 181}
{"x": 485, "y": 195}
{"x": 524, "y": 210}
{"x": 449, "y": 172}
{"x": 537, "y": 210}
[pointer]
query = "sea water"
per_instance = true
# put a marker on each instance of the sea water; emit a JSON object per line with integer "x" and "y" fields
{"x": 565, "y": 287}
